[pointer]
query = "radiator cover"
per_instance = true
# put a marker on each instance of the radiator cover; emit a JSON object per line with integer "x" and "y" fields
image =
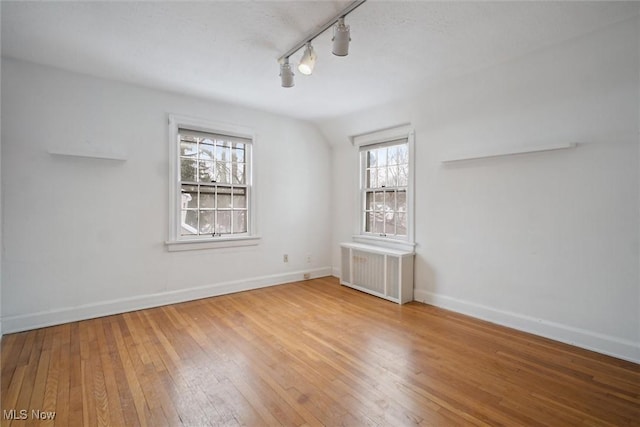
{"x": 386, "y": 273}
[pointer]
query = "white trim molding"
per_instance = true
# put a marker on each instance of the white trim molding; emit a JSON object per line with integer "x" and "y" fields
{"x": 397, "y": 244}
{"x": 382, "y": 135}
{"x": 589, "y": 340}
{"x": 43, "y": 319}
{"x": 213, "y": 243}
{"x": 336, "y": 272}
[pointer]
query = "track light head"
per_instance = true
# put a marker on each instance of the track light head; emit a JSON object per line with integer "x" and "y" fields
{"x": 308, "y": 60}
{"x": 341, "y": 38}
{"x": 286, "y": 74}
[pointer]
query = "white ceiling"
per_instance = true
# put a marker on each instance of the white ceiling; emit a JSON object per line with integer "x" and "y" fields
{"x": 227, "y": 50}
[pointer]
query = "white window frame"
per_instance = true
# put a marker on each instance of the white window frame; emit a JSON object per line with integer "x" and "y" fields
{"x": 176, "y": 242}
{"x": 379, "y": 138}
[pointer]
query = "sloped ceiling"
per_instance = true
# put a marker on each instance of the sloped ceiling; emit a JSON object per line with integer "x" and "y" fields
{"x": 227, "y": 50}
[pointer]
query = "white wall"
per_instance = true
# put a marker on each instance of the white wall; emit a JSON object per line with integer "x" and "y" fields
{"x": 544, "y": 242}
{"x": 85, "y": 237}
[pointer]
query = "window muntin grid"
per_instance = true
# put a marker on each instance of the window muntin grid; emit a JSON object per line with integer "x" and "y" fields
{"x": 213, "y": 171}
{"x": 384, "y": 190}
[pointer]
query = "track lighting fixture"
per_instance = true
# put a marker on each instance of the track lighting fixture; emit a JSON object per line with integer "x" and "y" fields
{"x": 341, "y": 39}
{"x": 286, "y": 73}
{"x": 308, "y": 60}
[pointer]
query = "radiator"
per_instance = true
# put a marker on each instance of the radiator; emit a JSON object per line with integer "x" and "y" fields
{"x": 386, "y": 273}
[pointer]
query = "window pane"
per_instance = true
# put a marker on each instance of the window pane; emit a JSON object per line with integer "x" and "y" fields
{"x": 389, "y": 201}
{"x": 239, "y": 221}
{"x": 224, "y": 198}
{"x": 207, "y": 197}
{"x": 224, "y": 222}
{"x": 223, "y": 151}
{"x": 205, "y": 171}
{"x": 401, "y": 224}
{"x": 369, "y": 220}
{"x": 403, "y": 154}
{"x": 188, "y": 138}
{"x": 238, "y": 173}
{"x": 188, "y": 223}
{"x": 392, "y": 153}
{"x": 382, "y": 177}
{"x": 223, "y": 173}
{"x": 401, "y": 200}
{"x": 188, "y": 170}
{"x": 206, "y": 151}
{"x": 378, "y": 200}
{"x": 381, "y": 156}
{"x": 189, "y": 196}
{"x": 392, "y": 176}
{"x": 239, "y": 198}
{"x": 389, "y": 212}
{"x": 238, "y": 153}
{"x": 372, "y": 178}
{"x": 378, "y": 224}
{"x": 188, "y": 149}
{"x": 403, "y": 175}
{"x": 368, "y": 204}
{"x": 207, "y": 221}
{"x": 390, "y": 223}
{"x": 371, "y": 159}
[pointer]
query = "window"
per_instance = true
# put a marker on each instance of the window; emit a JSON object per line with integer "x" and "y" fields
{"x": 213, "y": 184}
{"x": 384, "y": 192}
{"x": 386, "y": 187}
{"x": 211, "y": 191}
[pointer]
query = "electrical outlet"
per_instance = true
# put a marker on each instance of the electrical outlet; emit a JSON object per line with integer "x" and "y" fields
{"x": 285, "y": 258}
{"x": 308, "y": 259}
{"x": 307, "y": 276}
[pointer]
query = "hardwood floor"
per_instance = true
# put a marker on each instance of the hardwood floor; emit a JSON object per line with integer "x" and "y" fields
{"x": 307, "y": 353}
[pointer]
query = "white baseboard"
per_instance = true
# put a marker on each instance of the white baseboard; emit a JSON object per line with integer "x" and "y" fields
{"x": 336, "y": 272}
{"x": 605, "y": 344}
{"x": 25, "y": 322}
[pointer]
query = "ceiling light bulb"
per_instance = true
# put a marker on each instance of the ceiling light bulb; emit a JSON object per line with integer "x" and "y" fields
{"x": 341, "y": 38}
{"x": 286, "y": 74}
{"x": 308, "y": 61}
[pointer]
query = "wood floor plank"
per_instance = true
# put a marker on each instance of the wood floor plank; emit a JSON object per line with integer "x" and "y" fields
{"x": 133, "y": 385}
{"x": 179, "y": 374}
{"x": 123, "y": 398}
{"x": 30, "y": 357}
{"x": 10, "y": 394}
{"x": 308, "y": 353}
{"x": 38, "y": 393}
{"x": 110, "y": 407}
{"x": 63, "y": 335}
{"x": 10, "y": 352}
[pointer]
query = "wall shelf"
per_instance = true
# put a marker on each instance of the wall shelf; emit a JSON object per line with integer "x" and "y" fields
{"x": 489, "y": 153}
{"x": 91, "y": 153}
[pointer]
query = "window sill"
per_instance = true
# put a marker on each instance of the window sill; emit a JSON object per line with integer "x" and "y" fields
{"x": 385, "y": 242}
{"x": 213, "y": 243}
